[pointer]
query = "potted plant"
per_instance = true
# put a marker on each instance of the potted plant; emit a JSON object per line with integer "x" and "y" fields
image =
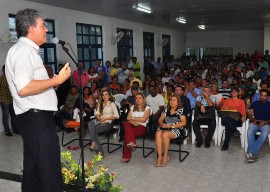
{"x": 96, "y": 178}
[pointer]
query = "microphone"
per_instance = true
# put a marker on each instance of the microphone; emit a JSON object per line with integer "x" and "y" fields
{"x": 55, "y": 40}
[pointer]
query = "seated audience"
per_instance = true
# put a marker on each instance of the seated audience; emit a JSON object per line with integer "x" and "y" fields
{"x": 259, "y": 115}
{"x": 106, "y": 112}
{"x": 84, "y": 76}
{"x": 66, "y": 111}
{"x": 156, "y": 102}
{"x": 94, "y": 90}
{"x": 201, "y": 102}
{"x": 126, "y": 86}
{"x": 115, "y": 86}
{"x": 192, "y": 93}
{"x": 92, "y": 75}
{"x": 230, "y": 124}
{"x": 218, "y": 96}
{"x": 170, "y": 121}
{"x": 135, "y": 126}
{"x": 168, "y": 94}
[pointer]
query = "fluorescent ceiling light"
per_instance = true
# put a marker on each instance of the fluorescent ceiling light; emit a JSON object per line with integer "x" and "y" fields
{"x": 201, "y": 27}
{"x": 144, "y": 8}
{"x": 181, "y": 20}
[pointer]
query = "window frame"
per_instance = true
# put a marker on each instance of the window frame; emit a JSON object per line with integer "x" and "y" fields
{"x": 125, "y": 45}
{"x": 149, "y": 45}
{"x": 84, "y": 44}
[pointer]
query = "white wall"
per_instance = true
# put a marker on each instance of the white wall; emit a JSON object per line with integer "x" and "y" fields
{"x": 65, "y": 21}
{"x": 267, "y": 37}
{"x": 240, "y": 41}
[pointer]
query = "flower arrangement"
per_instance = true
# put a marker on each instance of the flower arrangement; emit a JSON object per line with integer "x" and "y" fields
{"x": 96, "y": 177}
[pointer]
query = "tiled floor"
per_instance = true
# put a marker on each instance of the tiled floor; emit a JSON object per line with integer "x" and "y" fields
{"x": 204, "y": 169}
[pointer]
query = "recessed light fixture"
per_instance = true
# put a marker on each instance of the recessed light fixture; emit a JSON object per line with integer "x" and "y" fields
{"x": 201, "y": 27}
{"x": 143, "y": 7}
{"x": 181, "y": 20}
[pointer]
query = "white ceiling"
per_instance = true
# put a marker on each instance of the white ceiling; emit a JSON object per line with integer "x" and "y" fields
{"x": 217, "y": 15}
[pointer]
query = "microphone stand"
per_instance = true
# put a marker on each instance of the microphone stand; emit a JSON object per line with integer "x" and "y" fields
{"x": 80, "y": 73}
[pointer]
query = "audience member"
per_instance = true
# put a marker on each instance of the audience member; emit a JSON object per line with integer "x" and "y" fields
{"x": 259, "y": 115}
{"x": 156, "y": 102}
{"x": 106, "y": 112}
{"x": 171, "y": 122}
{"x": 230, "y": 124}
{"x": 135, "y": 126}
{"x": 203, "y": 101}
{"x": 6, "y": 103}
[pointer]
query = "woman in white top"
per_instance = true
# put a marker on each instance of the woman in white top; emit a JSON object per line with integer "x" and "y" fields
{"x": 106, "y": 112}
{"x": 135, "y": 126}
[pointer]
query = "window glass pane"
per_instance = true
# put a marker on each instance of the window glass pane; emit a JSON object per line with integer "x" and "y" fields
{"x": 49, "y": 26}
{"x": 41, "y": 53}
{"x": 130, "y": 42}
{"x": 85, "y": 30}
{"x": 99, "y": 53}
{"x": 98, "y": 40}
{"x": 92, "y": 31}
{"x": 86, "y": 54}
{"x": 79, "y": 39}
{"x": 12, "y": 29}
{"x": 93, "y": 63}
{"x": 86, "y": 65}
{"x": 98, "y": 30}
{"x": 131, "y": 52}
{"x": 78, "y": 29}
{"x": 79, "y": 50}
{"x": 92, "y": 40}
{"x": 49, "y": 37}
{"x": 50, "y": 54}
{"x": 93, "y": 53}
{"x": 85, "y": 40}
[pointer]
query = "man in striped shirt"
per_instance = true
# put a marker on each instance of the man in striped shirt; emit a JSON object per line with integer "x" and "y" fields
{"x": 225, "y": 89}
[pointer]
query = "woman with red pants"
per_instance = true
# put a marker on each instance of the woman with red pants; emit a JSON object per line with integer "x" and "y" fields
{"x": 135, "y": 126}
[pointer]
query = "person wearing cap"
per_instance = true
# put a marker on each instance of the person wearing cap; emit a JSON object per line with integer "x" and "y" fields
{"x": 133, "y": 79}
{"x": 230, "y": 124}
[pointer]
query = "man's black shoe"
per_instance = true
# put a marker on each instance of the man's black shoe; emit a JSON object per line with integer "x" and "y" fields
{"x": 207, "y": 145}
{"x": 198, "y": 144}
{"x": 16, "y": 132}
{"x": 224, "y": 148}
{"x": 9, "y": 134}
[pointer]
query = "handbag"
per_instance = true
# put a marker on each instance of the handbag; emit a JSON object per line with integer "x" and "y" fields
{"x": 209, "y": 113}
{"x": 234, "y": 114}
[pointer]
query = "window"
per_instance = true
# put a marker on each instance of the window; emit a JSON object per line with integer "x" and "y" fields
{"x": 166, "y": 45}
{"x": 89, "y": 44}
{"x": 213, "y": 51}
{"x": 125, "y": 45}
{"x": 47, "y": 51}
{"x": 148, "y": 45}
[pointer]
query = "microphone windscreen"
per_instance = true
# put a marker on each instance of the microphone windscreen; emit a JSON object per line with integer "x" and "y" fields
{"x": 55, "y": 40}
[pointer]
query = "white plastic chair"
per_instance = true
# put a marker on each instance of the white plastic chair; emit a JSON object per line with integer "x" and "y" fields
{"x": 242, "y": 130}
{"x": 119, "y": 97}
{"x": 215, "y": 136}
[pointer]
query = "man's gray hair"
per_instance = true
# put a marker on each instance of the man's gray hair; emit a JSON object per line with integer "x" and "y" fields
{"x": 25, "y": 19}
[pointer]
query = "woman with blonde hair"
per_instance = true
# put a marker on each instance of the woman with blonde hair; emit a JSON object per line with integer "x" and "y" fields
{"x": 171, "y": 121}
{"x": 135, "y": 126}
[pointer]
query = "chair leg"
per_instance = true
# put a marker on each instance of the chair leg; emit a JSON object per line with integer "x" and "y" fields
{"x": 143, "y": 147}
{"x": 108, "y": 145}
{"x": 88, "y": 141}
{"x": 186, "y": 153}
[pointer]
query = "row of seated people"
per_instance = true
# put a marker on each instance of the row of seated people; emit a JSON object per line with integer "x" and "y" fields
{"x": 201, "y": 102}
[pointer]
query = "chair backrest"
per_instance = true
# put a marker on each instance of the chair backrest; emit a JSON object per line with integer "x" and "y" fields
{"x": 119, "y": 97}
